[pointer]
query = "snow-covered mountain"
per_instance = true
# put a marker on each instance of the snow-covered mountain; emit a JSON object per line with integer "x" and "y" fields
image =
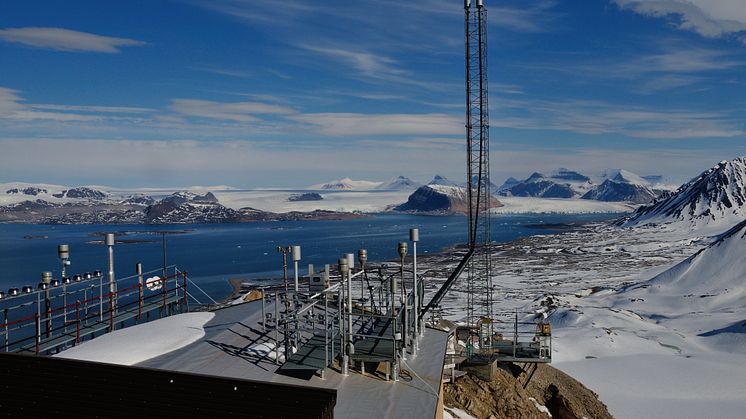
{"x": 715, "y": 198}
{"x": 509, "y": 183}
{"x": 439, "y": 199}
{"x": 543, "y": 186}
{"x": 398, "y": 183}
{"x": 612, "y": 185}
{"x": 711, "y": 279}
{"x": 347, "y": 184}
{"x": 442, "y": 180}
{"x": 622, "y": 185}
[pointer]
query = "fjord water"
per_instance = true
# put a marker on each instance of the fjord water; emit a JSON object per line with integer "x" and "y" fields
{"x": 214, "y": 253}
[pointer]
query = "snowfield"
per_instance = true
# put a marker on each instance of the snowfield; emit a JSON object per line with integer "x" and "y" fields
{"x": 137, "y": 343}
{"x": 521, "y": 205}
{"x": 651, "y": 318}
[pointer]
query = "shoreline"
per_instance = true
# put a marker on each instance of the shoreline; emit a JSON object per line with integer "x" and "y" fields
{"x": 239, "y": 287}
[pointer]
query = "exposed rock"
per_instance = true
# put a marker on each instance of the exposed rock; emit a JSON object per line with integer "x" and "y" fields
{"x": 81, "y": 192}
{"x": 309, "y": 196}
{"x": 439, "y": 199}
{"x": 614, "y": 191}
{"x": 505, "y": 397}
{"x": 31, "y": 190}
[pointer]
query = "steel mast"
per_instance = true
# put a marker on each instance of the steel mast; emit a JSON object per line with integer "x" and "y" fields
{"x": 477, "y": 262}
{"x": 479, "y": 269}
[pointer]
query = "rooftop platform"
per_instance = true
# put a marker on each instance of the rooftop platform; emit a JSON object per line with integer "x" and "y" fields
{"x": 228, "y": 349}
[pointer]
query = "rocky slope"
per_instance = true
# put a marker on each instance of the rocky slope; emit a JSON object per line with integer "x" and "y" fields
{"x": 505, "y": 396}
{"x": 439, "y": 200}
{"x": 398, "y": 183}
{"x": 716, "y": 197}
{"x": 177, "y": 208}
{"x": 562, "y": 183}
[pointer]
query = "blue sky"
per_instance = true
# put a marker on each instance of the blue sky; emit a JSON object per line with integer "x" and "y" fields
{"x": 288, "y": 94}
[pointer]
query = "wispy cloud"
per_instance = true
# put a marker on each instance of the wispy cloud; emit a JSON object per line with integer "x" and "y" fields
{"x": 599, "y": 117}
{"x": 709, "y": 18}
{"x": 669, "y": 64}
{"x": 60, "y": 39}
{"x": 227, "y": 111}
{"x": 367, "y": 63}
{"x": 356, "y": 124}
{"x": 530, "y": 18}
{"x": 101, "y": 109}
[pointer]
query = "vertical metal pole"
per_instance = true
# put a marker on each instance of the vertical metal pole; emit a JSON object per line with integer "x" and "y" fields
{"x": 101, "y": 298}
{"x": 64, "y": 304}
{"x": 165, "y": 291}
{"x": 406, "y": 323}
{"x": 163, "y": 246}
{"x": 515, "y": 333}
{"x": 48, "y": 310}
{"x": 264, "y": 316}
{"x": 138, "y": 271}
{"x": 7, "y": 330}
{"x": 184, "y": 292}
{"x": 277, "y": 326}
{"x": 77, "y": 322}
{"x": 296, "y": 259}
{"x": 349, "y": 312}
{"x": 110, "y": 245}
{"x": 63, "y": 252}
{"x": 326, "y": 332}
{"x": 38, "y": 332}
{"x": 111, "y": 312}
{"x": 343, "y": 269}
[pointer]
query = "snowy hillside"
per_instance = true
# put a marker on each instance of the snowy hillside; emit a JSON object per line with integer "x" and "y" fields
{"x": 539, "y": 185}
{"x": 398, "y": 183}
{"x": 440, "y": 200}
{"x": 673, "y": 344}
{"x": 442, "y": 180}
{"x": 347, "y": 184}
{"x": 715, "y": 198}
{"x": 622, "y": 186}
{"x": 711, "y": 280}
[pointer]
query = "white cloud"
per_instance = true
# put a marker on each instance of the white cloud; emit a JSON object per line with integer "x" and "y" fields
{"x": 367, "y": 63}
{"x": 101, "y": 109}
{"x": 227, "y": 111}
{"x": 356, "y": 124}
{"x": 709, "y": 18}
{"x": 599, "y": 117}
{"x": 10, "y": 101}
{"x": 59, "y": 39}
{"x": 371, "y": 67}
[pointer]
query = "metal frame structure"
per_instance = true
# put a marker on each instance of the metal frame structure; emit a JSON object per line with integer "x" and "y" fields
{"x": 479, "y": 268}
{"x": 381, "y": 326}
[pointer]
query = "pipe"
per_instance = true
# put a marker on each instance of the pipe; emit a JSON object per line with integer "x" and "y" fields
{"x": 296, "y": 259}
{"x": 343, "y": 265}
{"x": 110, "y": 245}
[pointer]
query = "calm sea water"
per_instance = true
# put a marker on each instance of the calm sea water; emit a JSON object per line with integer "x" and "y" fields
{"x": 214, "y": 253}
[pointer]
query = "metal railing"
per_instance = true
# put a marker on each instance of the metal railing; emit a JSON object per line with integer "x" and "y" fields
{"x": 518, "y": 337}
{"x": 50, "y": 319}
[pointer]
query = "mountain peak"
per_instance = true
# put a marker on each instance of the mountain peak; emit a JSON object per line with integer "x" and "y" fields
{"x": 717, "y": 196}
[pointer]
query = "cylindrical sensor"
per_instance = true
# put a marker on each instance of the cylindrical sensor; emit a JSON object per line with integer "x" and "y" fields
{"x": 63, "y": 251}
{"x": 296, "y": 253}
{"x": 414, "y": 234}
{"x": 110, "y": 239}
{"x": 343, "y": 266}
{"x": 402, "y": 249}
{"x": 46, "y": 277}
